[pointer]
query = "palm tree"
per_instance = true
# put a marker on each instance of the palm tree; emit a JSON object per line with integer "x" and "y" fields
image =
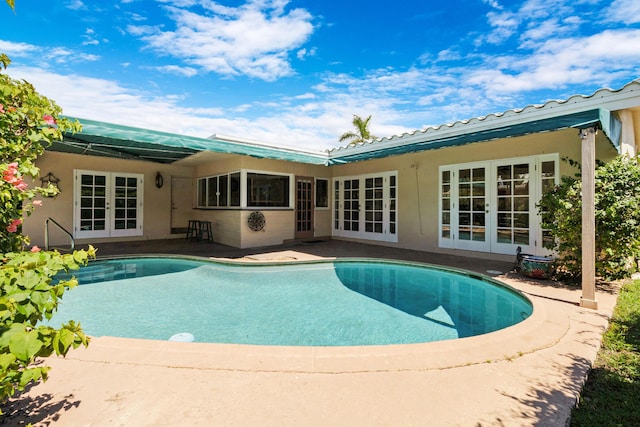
{"x": 361, "y": 134}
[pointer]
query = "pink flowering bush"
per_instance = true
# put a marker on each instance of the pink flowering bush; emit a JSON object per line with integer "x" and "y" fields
{"x": 29, "y": 294}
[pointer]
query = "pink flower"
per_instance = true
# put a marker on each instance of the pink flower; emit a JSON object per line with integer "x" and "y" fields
{"x": 10, "y": 174}
{"x": 13, "y": 227}
{"x": 21, "y": 185}
{"x": 1, "y": 108}
{"x": 48, "y": 119}
{"x": 35, "y": 249}
{"x": 37, "y": 203}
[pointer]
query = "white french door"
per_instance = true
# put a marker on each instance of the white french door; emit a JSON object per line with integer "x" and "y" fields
{"x": 514, "y": 221}
{"x": 465, "y": 207}
{"x": 491, "y": 206}
{"x": 107, "y": 204}
{"x": 365, "y": 207}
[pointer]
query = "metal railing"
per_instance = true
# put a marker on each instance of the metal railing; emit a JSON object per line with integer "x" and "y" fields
{"x": 64, "y": 230}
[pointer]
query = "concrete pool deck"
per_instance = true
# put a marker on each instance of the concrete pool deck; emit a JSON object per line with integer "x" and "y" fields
{"x": 528, "y": 374}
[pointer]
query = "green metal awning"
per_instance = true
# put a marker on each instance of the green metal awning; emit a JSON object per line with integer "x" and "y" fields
{"x": 125, "y": 142}
{"x": 431, "y": 139}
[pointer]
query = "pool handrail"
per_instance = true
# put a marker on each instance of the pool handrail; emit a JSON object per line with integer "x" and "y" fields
{"x": 64, "y": 230}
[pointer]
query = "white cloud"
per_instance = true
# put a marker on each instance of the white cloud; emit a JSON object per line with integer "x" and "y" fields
{"x": 626, "y": 11}
{"x": 560, "y": 62}
{"x": 113, "y": 103}
{"x": 504, "y": 25}
{"x": 303, "y": 53}
{"x": 254, "y": 39}
{"x": 175, "y": 69}
{"x": 89, "y": 38}
{"x": 539, "y": 18}
{"x": 16, "y": 49}
{"x": 493, "y": 3}
{"x": 307, "y": 95}
{"x": 76, "y": 5}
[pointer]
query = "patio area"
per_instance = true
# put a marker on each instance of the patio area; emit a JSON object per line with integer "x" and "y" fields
{"x": 525, "y": 375}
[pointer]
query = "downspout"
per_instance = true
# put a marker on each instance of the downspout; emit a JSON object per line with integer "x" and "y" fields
{"x": 416, "y": 166}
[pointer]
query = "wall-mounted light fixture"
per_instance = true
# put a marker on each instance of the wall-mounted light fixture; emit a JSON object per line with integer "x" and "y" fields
{"x": 159, "y": 180}
{"x": 50, "y": 179}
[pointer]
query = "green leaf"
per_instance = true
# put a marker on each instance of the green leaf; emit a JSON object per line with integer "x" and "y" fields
{"x": 6, "y": 359}
{"x": 19, "y": 296}
{"x": 25, "y": 345}
{"x": 31, "y": 374}
{"x": 65, "y": 339}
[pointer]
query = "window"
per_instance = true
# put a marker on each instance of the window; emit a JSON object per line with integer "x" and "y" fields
{"x": 244, "y": 189}
{"x": 322, "y": 193}
{"x": 265, "y": 190}
{"x": 219, "y": 191}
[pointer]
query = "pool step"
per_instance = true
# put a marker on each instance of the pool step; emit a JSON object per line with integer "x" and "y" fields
{"x": 96, "y": 273}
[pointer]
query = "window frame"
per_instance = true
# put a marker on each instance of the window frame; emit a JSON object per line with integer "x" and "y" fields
{"x": 244, "y": 191}
{"x": 203, "y": 191}
{"x": 327, "y": 195}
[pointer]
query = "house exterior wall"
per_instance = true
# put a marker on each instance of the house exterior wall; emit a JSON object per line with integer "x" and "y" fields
{"x": 157, "y": 201}
{"x": 230, "y": 225}
{"x": 418, "y": 178}
{"x": 417, "y": 197}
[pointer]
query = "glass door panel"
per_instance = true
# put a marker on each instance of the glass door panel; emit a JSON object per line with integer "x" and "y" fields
{"x": 93, "y": 205}
{"x": 513, "y": 226}
{"x": 472, "y": 221}
{"x": 446, "y": 206}
{"x": 472, "y": 208}
{"x": 373, "y": 205}
{"x": 548, "y": 181}
{"x": 125, "y": 202}
{"x": 304, "y": 207}
{"x": 351, "y": 205}
{"x": 392, "y": 205}
{"x": 515, "y": 207}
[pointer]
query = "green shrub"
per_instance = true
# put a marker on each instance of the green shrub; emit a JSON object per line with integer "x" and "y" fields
{"x": 29, "y": 295}
{"x": 617, "y": 214}
{"x": 29, "y": 122}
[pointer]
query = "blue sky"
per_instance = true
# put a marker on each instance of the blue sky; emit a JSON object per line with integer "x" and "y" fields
{"x": 294, "y": 72}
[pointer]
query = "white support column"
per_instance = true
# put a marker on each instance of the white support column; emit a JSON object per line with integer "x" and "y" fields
{"x": 627, "y": 136}
{"x": 588, "y": 299}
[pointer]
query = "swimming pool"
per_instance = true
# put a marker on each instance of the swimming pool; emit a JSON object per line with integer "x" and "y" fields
{"x": 325, "y": 303}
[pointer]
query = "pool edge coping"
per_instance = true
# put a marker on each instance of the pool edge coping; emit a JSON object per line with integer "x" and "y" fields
{"x": 505, "y": 344}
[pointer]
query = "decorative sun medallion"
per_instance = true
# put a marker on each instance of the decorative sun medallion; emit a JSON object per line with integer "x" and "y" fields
{"x": 256, "y": 221}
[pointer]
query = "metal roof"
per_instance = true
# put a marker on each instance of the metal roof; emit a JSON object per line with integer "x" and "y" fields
{"x": 126, "y": 142}
{"x": 111, "y": 140}
{"x": 575, "y": 112}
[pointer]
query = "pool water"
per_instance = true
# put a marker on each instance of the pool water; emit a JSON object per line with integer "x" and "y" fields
{"x": 337, "y": 303}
